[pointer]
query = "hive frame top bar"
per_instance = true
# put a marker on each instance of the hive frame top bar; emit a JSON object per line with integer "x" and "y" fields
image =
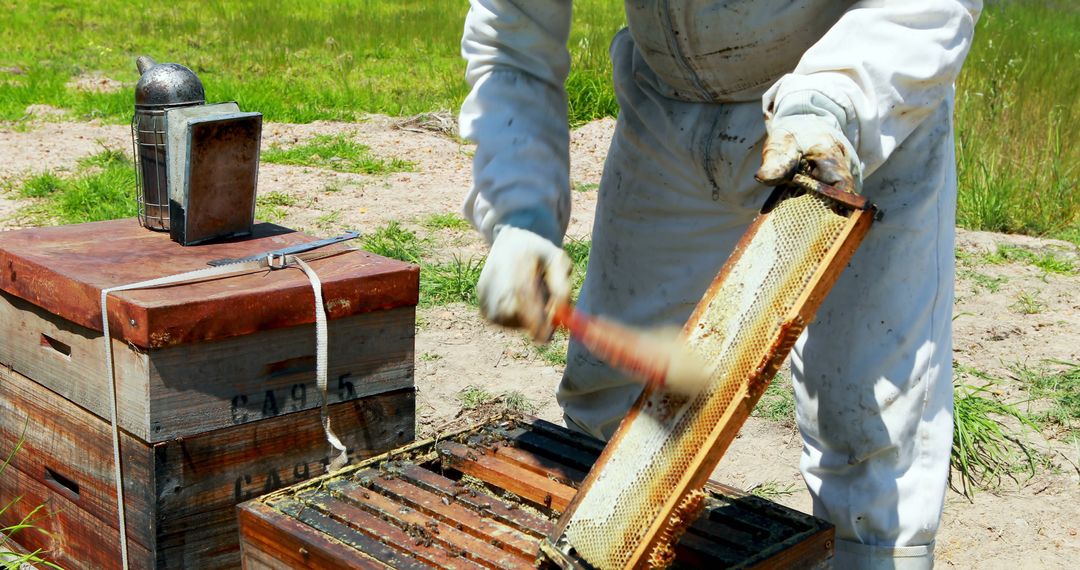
{"x": 646, "y": 528}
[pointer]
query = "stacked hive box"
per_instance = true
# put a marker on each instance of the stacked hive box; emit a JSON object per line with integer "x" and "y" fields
{"x": 485, "y": 497}
{"x": 216, "y": 392}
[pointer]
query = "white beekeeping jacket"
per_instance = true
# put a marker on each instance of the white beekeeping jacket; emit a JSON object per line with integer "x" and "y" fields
{"x": 880, "y": 67}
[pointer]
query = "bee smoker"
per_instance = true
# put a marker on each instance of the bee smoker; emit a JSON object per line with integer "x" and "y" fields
{"x": 196, "y": 164}
{"x": 161, "y": 87}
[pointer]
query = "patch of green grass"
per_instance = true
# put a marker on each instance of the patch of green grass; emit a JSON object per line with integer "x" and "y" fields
{"x": 272, "y": 214}
{"x": 1058, "y": 383}
{"x": 451, "y": 282}
{"x": 476, "y": 397}
{"x": 271, "y": 207}
{"x": 771, "y": 490}
{"x": 991, "y": 284}
{"x": 298, "y": 62}
{"x": 428, "y": 357}
{"x": 578, "y": 251}
{"x": 984, "y": 449}
{"x": 394, "y": 241}
{"x": 472, "y": 397}
{"x": 440, "y": 283}
{"x": 590, "y": 92}
{"x": 339, "y": 153}
{"x": 24, "y": 125}
{"x": 108, "y": 157}
{"x": 1048, "y": 262}
{"x": 277, "y": 199}
{"x": 1052, "y": 264}
{"x": 1018, "y": 146}
{"x": 103, "y": 188}
{"x": 585, "y": 187}
{"x": 554, "y": 352}
{"x": 777, "y": 404}
{"x": 515, "y": 401}
{"x": 965, "y": 258}
{"x": 41, "y": 185}
{"x": 328, "y": 220}
{"x": 1028, "y": 303}
{"x": 447, "y": 221}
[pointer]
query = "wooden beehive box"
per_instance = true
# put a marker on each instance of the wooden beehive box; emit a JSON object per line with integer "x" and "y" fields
{"x": 216, "y": 390}
{"x": 484, "y": 497}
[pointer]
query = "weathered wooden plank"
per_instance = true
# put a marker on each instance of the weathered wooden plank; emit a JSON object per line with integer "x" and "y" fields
{"x": 695, "y": 551}
{"x": 808, "y": 550}
{"x": 180, "y": 495}
{"x": 505, "y": 475}
{"x": 271, "y": 540}
{"x": 72, "y": 449}
{"x": 500, "y": 510}
{"x": 210, "y": 385}
{"x": 544, "y": 446}
{"x": 72, "y": 537}
{"x": 412, "y": 544}
{"x": 428, "y": 528}
{"x": 404, "y": 488}
{"x": 63, "y": 269}
{"x": 69, "y": 359}
{"x": 455, "y": 514}
{"x": 219, "y": 469}
{"x": 567, "y": 436}
{"x": 542, "y": 465}
{"x": 189, "y": 389}
{"x": 345, "y": 533}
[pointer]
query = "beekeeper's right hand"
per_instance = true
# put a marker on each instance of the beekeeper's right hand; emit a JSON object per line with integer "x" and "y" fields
{"x": 524, "y": 278}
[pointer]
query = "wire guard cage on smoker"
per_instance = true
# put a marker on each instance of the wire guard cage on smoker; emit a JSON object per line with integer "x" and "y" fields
{"x": 161, "y": 87}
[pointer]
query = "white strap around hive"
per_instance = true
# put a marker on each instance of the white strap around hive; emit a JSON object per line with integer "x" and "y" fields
{"x": 321, "y": 358}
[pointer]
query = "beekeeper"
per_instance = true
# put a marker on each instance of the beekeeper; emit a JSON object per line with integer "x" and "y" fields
{"x": 719, "y": 99}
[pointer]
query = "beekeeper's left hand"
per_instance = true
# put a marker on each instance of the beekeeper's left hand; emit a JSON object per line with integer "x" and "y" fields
{"x": 817, "y": 142}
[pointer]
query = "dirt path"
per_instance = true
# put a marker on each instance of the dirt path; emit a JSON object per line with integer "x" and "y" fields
{"x": 1031, "y": 524}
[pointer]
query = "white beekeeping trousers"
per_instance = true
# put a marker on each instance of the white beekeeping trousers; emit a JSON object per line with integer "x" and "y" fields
{"x": 872, "y": 374}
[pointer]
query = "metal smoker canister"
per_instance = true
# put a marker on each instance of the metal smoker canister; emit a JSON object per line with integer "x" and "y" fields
{"x": 161, "y": 87}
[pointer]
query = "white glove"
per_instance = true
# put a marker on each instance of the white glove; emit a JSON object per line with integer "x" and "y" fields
{"x": 810, "y": 143}
{"x": 524, "y": 278}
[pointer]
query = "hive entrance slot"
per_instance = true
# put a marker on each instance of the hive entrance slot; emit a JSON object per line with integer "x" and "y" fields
{"x": 61, "y": 484}
{"x": 61, "y": 348}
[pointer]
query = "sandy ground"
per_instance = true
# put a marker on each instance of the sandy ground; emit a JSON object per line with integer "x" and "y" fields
{"x": 1030, "y": 524}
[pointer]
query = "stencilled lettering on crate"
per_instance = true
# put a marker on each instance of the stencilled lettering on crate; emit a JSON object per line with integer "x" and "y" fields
{"x": 180, "y": 495}
{"x": 169, "y": 392}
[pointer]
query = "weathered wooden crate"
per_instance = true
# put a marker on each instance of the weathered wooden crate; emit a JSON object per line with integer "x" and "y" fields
{"x": 179, "y": 494}
{"x": 215, "y": 385}
{"x": 484, "y": 498}
{"x": 205, "y": 355}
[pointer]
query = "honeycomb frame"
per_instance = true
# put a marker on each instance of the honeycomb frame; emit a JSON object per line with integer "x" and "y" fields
{"x": 745, "y": 326}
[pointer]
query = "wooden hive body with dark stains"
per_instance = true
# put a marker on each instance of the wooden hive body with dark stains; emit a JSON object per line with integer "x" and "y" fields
{"x": 216, "y": 393}
{"x": 484, "y": 497}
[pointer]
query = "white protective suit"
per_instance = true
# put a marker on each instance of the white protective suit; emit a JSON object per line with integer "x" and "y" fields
{"x": 872, "y": 374}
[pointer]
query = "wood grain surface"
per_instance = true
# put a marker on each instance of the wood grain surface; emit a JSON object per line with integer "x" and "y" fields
{"x": 179, "y": 494}
{"x": 435, "y": 504}
{"x": 63, "y": 269}
{"x": 183, "y": 390}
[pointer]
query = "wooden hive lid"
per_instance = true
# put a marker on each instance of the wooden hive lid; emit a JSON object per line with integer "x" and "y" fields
{"x": 63, "y": 270}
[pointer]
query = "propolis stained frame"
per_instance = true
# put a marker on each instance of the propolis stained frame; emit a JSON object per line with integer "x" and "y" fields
{"x": 650, "y": 545}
